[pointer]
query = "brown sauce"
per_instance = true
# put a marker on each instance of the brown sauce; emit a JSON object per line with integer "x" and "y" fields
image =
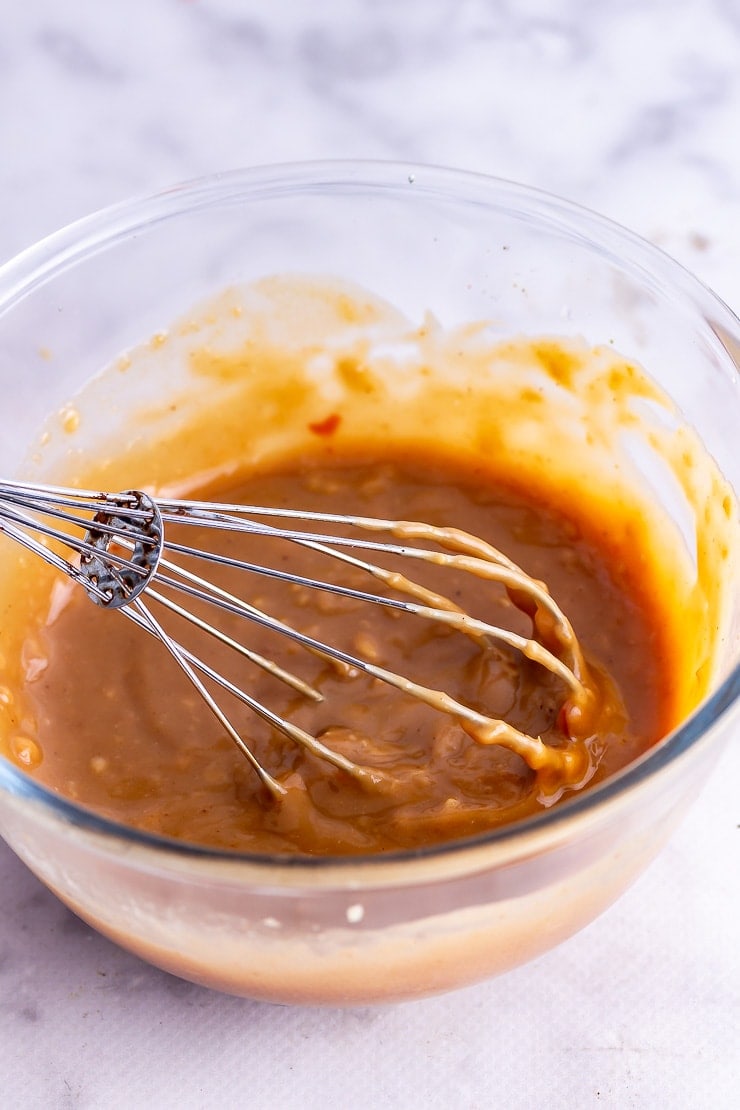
{"x": 123, "y": 732}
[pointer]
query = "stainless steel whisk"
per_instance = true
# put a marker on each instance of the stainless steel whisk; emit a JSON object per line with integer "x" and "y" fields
{"x": 115, "y": 545}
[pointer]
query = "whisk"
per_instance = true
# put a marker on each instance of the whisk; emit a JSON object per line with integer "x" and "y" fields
{"x": 116, "y": 547}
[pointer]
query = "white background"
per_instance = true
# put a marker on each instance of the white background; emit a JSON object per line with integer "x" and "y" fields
{"x": 630, "y": 108}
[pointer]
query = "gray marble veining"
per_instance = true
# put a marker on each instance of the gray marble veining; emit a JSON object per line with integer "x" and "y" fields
{"x": 630, "y": 108}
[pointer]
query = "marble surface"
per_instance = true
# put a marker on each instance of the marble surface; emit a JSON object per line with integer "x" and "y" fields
{"x": 630, "y": 108}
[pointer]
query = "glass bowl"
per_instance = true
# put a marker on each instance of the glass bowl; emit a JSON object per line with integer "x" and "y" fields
{"x": 466, "y": 247}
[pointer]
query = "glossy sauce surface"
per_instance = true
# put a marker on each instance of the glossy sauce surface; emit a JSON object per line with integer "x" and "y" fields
{"x": 122, "y": 731}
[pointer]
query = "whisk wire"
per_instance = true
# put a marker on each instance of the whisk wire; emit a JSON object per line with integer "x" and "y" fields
{"x": 488, "y": 561}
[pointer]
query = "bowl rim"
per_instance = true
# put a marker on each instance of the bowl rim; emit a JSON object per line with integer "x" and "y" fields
{"x": 100, "y": 230}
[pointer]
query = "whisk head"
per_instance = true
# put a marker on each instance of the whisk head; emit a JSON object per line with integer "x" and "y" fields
{"x": 118, "y": 548}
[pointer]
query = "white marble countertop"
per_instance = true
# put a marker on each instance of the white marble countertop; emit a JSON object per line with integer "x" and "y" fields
{"x": 631, "y": 108}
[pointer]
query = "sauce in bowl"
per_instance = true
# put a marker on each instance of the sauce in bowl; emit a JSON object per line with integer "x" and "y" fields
{"x": 306, "y": 393}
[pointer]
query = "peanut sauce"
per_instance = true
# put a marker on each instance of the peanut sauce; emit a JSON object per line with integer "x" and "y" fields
{"x": 153, "y": 756}
{"x": 314, "y": 394}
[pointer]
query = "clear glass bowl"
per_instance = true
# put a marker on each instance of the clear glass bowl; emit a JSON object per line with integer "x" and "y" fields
{"x": 466, "y": 247}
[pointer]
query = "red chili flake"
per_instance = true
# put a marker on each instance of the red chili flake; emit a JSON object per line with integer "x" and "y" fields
{"x": 326, "y": 427}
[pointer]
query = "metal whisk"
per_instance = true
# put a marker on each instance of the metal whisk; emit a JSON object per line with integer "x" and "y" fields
{"x": 116, "y": 547}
